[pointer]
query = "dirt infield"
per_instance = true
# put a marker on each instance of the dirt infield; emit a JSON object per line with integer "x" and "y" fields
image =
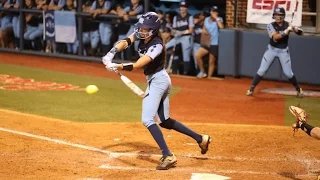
{"x": 34, "y": 147}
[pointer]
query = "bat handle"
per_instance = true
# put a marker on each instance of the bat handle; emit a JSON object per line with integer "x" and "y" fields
{"x": 116, "y": 71}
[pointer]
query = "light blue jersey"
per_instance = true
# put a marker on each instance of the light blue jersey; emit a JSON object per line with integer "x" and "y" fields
{"x": 213, "y": 30}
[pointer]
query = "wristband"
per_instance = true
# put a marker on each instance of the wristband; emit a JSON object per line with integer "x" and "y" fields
{"x": 128, "y": 41}
{"x": 127, "y": 66}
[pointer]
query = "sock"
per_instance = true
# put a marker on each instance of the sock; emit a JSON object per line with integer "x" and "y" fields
{"x": 186, "y": 67}
{"x": 294, "y": 82}
{"x": 306, "y": 128}
{"x": 256, "y": 80}
{"x": 178, "y": 126}
{"x": 158, "y": 137}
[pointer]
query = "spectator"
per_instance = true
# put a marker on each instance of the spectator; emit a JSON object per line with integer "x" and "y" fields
{"x": 183, "y": 27}
{"x": 122, "y": 29}
{"x": 100, "y": 7}
{"x": 134, "y": 9}
{"x": 56, "y": 5}
{"x": 15, "y": 20}
{"x": 36, "y": 35}
{"x": 168, "y": 19}
{"x": 1, "y": 16}
{"x": 90, "y": 33}
{"x": 166, "y": 35}
{"x": 33, "y": 30}
{"x": 162, "y": 20}
{"x": 211, "y": 26}
{"x": 198, "y": 25}
{"x": 72, "y": 48}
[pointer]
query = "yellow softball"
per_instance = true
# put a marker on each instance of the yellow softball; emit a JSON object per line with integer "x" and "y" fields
{"x": 91, "y": 89}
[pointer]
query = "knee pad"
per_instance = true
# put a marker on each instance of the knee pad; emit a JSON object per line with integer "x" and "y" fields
{"x": 168, "y": 124}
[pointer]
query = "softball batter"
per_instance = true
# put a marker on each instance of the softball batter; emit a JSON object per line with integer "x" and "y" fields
{"x": 278, "y": 47}
{"x": 156, "y": 100}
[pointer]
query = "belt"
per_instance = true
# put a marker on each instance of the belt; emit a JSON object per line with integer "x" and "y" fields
{"x": 186, "y": 35}
{"x": 278, "y": 49}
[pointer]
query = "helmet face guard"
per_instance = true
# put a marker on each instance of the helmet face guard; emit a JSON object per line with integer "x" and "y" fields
{"x": 279, "y": 14}
{"x": 142, "y": 35}
{"x": 278, "y": 17}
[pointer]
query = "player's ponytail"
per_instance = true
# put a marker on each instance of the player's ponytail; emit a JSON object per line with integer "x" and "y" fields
{"x": 164, "y": 49}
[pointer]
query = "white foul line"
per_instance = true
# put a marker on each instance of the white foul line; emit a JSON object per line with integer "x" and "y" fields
{"x": 129, "y": 168}
{"x": 115, "y": 154}
{"x": 57, "y": 141}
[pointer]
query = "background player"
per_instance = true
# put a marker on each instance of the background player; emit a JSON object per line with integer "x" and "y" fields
{"x": 278, "y": 47}
{"x": 301, "y": 116}
{"x": 156, "y": 101}
{"x": 182, "y": 30}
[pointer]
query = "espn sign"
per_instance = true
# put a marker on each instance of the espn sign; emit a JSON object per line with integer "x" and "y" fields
{"x": 260, "y": 11}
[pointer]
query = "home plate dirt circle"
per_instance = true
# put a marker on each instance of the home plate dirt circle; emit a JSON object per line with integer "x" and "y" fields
{"x": 291, "y": 92}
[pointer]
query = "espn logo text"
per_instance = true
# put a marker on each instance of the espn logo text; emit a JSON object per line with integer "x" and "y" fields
{"x": 271, "y": 4}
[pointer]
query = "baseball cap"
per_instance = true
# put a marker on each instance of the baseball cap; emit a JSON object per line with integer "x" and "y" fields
{"x": 214, "y": 8}
{"x": 184, "y": 3}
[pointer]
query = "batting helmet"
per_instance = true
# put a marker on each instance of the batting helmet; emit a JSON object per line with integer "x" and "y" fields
{"x": 279, "y": 11}
{"x": 149, "y": 20}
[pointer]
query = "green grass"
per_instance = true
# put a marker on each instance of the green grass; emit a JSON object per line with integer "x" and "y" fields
{"x": 114, "y": 102}
{"x": 311, "y": 105}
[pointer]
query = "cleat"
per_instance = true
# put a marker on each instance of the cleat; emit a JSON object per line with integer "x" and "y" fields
{"x": 201, "y": 75}
{"x": 300, "y": 93}
{"x": 167, "y": 162}
{"x": 204, "y": 145}
{"x": 249, "y": 92}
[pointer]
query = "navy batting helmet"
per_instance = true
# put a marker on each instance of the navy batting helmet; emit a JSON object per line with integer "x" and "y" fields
{"x": 279, "y": 11}
{"x": 149, "y": 21}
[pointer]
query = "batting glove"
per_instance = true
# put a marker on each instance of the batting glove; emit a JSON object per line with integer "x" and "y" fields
{"x": 289, "y": 28}
{"x": 112, "y": 66}
{"x": 287, "y": 31}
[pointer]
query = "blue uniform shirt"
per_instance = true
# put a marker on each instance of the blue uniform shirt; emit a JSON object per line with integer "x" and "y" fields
{"x": 213, "y": 30}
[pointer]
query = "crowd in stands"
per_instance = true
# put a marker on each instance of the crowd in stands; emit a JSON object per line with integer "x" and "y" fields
{"x": 98, "y": 35}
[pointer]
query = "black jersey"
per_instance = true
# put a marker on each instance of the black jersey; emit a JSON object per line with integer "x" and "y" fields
{"x": 197, "y": 33}
{"x": 154, "y": 49}
{"x": 280, "y": 43}
{"x": 182, "y": 23}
